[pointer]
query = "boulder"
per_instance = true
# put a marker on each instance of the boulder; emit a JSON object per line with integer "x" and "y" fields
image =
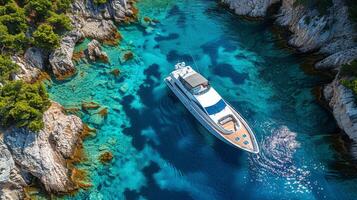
{"x": 95, "y": 51}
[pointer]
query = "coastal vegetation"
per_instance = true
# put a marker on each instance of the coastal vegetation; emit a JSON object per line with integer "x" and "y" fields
{"x": 7, "y": 67}
{"x": 32, "y": 23}
{"x": 100, "y": 1}
{"x": 23, "y": 105}
{"x": 23, "y": 24}
{"x": 350, "y": 71}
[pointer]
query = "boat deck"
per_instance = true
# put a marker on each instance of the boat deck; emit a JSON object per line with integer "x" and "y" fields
{"x": 241, "y": 136}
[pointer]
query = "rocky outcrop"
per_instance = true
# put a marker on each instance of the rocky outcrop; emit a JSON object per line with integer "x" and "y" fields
{"x": 11, "y": 181}
{"x": 95, "y": 51}
{"x": 61, "y": 59}
{"x": 102, "y": 30}
{"x": 117, "y": 10}
{"x": 330, "y": 33}
{"x": 327, "y": 33}
{"x": 92, "y": 21}
{"x": 251, "y": 8}
{"x": 30, "y": 65}
{"x": 42, "y": 155}
{"x": 36, "y": 58}
{"x": 344, "y": 108}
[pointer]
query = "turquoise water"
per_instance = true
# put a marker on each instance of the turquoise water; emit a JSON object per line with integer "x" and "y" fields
{"x": 161, "y": 152}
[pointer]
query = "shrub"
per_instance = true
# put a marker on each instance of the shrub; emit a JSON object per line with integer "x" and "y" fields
{"x": 349, "y": 69}
{"x": 61, "y": 6}
{"x": 11, "y": 42}
{"x": 23, "y": 105}
{"x": 100, "y": 1}
{"x": 6, "y": 68}
{"x": 14, "y": 18}
{"x": 60, "y": 22}
{"x": 38, "y": 8}
{"x": 45, "y": 38}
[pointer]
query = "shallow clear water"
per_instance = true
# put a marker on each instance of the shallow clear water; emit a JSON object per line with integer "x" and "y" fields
{"x": 162, "y": 152}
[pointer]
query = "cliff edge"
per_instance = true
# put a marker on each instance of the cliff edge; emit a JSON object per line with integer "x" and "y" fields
{"x": 25, "y": 154}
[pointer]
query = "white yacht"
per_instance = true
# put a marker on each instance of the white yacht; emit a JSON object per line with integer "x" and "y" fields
{"x": 209, "y": 108}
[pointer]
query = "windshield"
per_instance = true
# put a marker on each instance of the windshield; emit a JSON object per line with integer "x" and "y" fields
{"x": 216, "y": 108}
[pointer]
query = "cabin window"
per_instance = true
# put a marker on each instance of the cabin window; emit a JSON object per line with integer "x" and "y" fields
{"x": 216, "y": 108}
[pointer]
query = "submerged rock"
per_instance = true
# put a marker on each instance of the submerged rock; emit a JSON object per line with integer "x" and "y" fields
{"x": 106, "y": 157}
{"x": 90, "y": 106}
{"x": 44, "y": 154}
{"x": 115, "y": 72}
{"x": 95, "y": 51}
{"x": 128, "y": 56}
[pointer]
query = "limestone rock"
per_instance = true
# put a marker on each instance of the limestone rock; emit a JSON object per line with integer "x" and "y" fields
{"x": 11, "y": 181}
{"x": 43, "y": 154}
{"x": 95, "y": 51}
{"x": 99, "y": 29}
{"x": 27, "y": 72}
{"x": 113, "y": 9}
{"x": 61, "y": 59}
{"x": 337, "y": 59}
{"x": 329, "y": 33}
{"x": 251, "y": 8}
{"x": 36, "y": 58}
{"x": 344, "y": 108}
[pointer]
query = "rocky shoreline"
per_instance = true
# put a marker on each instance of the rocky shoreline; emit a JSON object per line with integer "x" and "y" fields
{"x": 330, "y": 34}
{"x": 44, "y": 156}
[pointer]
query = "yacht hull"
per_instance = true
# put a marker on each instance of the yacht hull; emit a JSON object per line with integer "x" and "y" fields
{"x": 182, "y": 97}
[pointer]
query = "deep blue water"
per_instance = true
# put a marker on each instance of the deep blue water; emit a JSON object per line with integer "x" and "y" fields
{"x": 162, "y": 152}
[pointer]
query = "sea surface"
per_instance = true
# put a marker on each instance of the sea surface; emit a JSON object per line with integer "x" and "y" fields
{"x": 161, "y": 151}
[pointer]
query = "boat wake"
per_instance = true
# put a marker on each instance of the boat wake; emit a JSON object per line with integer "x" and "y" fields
{"x": 276, "y": 160}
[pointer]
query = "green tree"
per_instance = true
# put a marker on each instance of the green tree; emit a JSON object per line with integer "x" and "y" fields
{"x": 38, "y": 8}
{"x": 13, "y": 17}
{"x": 6, "y": 68}
{"x": 23, "y": 105}
{"x": 60, "y": 22}
{"x": 61, "y": 6}
{"x": 10, "y": 42}
{"x": 45, "y": 38}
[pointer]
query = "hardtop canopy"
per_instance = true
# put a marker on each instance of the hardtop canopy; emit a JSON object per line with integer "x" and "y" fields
{"x": 195, "y": 80}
